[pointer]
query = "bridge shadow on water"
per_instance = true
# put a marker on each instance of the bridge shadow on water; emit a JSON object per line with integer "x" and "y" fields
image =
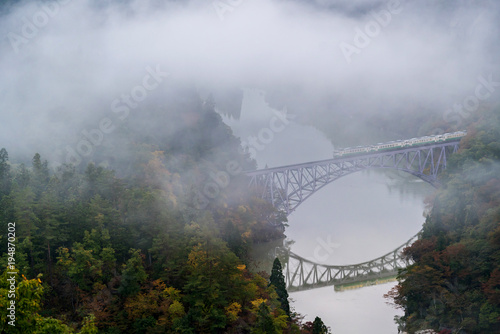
{"x": 287, "y": 187}
{"x": 305, "y": 274}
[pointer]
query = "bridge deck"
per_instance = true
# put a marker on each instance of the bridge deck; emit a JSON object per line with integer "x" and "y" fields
{"x": 287, "y": 187}
{"x": 344, "y": 159}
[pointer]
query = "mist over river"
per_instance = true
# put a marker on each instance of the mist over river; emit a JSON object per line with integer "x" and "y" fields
{"x": 354, "y": 219}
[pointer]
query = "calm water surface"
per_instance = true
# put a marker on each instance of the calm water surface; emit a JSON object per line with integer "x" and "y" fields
{"x": 360, "y": 217}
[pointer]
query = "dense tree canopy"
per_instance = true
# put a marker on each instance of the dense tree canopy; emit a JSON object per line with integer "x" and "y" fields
{"x": 142, "y": 244}
{"x": 454, "y": 284}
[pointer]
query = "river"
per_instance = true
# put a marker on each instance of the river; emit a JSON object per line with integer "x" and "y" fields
{"x": 354, "y": 219}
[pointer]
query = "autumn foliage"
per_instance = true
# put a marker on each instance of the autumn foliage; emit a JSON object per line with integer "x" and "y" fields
{"x": 453, "y": 285}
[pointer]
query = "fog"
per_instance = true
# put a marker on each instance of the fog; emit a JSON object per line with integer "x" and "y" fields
{"x": 69, "y": 67}
{"x": 63, "y": 63}
{"x": 354, "y": 219}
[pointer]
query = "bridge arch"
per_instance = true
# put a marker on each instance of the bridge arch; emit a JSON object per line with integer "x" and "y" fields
{"x": 433, "y": 182}
{"x": 289, "y": 186}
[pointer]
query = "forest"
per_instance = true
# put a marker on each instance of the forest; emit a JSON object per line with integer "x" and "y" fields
{"x": 127, "y": 128}
{"x": 152, "y": 233}
{"x": 453, "y": 285}
{"x": 122, "y": 243}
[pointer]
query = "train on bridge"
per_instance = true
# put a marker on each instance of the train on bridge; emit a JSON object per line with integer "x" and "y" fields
{"x": 399, "y": 144}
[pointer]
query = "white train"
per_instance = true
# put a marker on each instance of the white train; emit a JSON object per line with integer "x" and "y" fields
{"x": 398, "y": 144}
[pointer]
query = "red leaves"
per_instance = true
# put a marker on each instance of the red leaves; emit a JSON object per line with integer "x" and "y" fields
{"x": 492, "y": 288}
{"x": 489, "y": 194}
{"x": 419, "y": 249}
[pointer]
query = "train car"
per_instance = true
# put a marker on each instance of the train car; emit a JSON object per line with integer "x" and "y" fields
{"x": 398, "y": 144}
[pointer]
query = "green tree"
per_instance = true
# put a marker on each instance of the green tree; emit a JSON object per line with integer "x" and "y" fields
{"x": 453, "y": 281}
{"x": 5, "y": 175}
{"x": 24, "y": 203}
{"x": 213, "y": 272}
{"x": 52, "y": 229}
{"x": 156, "y": 301}
{"x": 319, "y": 327}
{"x": 40, "y": 175}
{"x": 28, "y": 302}
{"x": 133, "y": 274}
{"x": 22, "y": 177}
{"x": 265, "y": 322}
{"x": 89, "y": 326}
{"x": 81, "y": 265}
{"x": 51, "y": 326}
{"x": 277, "y": 279}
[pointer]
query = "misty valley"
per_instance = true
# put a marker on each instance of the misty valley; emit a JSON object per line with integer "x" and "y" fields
{"x": 250, "y": 167}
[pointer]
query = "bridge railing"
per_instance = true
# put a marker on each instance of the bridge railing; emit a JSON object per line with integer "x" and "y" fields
{"x": 288, "y": 186}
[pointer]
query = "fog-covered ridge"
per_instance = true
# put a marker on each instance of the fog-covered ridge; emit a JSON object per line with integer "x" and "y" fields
{"x": 64, "y": 63}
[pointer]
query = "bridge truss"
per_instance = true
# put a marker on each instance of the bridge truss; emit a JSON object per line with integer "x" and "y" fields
{"x": 303, "y": 274}
{"x": 289, "y": 186}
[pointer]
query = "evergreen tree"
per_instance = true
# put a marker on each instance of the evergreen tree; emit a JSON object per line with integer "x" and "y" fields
{"x": 265, "y": 322}
{"x": 319, "y": 327}
{"x": 133, "y": 274}
{"x": 5, "y": 177}
{"x": 278, "y": 280}
{"x": 454, "y": 279}
{"x": 40, "y": 177}
{"x": 91, "y": 217}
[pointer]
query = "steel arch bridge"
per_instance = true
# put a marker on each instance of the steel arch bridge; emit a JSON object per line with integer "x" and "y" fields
{"x": 303, "y": 274}
{"x": 287, "y": 187}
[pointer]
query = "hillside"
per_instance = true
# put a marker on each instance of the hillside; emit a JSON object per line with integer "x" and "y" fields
{"x": 454, "y": 284}
{"x": 148, "y": 235}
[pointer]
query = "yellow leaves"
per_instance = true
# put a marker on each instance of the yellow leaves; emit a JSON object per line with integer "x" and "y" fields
{"x": 97, "y": 286}
{"x": 281, "y": 321}
{"x": 155, "y": 164}
{"x": 241, "y": 267}
{"x": 157, "y": 175}
{"x": 176, "y": 309}
{"x": 197, "y": 256}
{"x": 172, "y": 293}
{"x": 247, "y": 235}
{"x": 251, "y": 290}
{"x": 158, "y": 154}
{"x": 159, "y": 300}
{"x": 192, "y": 228}
{"x": 260, "y": 281}
{"x": 232, "y": 311}
{"x": 64, "y": 258}
{"x": 140, "y": 304}
{"x": 256, "y": 303}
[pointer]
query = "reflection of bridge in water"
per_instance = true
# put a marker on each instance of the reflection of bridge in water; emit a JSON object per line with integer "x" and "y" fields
{"x": 303, "y": 274}
{"x": 289, "y": 186}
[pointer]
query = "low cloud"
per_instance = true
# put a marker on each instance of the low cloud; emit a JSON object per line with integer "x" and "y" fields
{"x": 64, "y": 62}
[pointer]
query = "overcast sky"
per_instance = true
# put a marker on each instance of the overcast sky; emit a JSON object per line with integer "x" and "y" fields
{"x": 65, "y": 63}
